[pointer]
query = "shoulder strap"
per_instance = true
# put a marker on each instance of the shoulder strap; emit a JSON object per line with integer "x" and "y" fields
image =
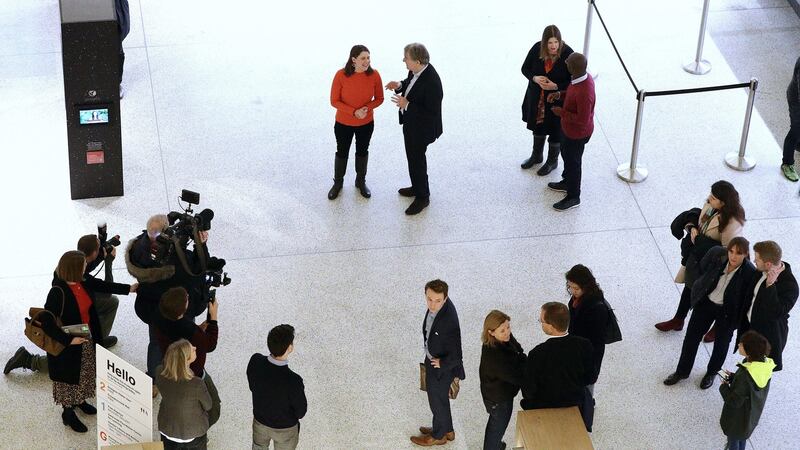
{"x": 63, "y": 299}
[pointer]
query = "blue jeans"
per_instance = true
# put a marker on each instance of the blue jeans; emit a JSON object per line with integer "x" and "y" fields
{"x": 499, "y": 416}
{"x": 736, "y": 444}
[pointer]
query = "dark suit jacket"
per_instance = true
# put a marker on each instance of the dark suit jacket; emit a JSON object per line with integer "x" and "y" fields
{"x": 445, "y": 341}
{"x": 556, "y": 373}
{"x": 422, "y": 120}
{"x": 771, "y": 312}
{"x": 712, "y": 266}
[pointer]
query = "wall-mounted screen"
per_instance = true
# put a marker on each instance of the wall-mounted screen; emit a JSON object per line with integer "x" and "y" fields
{"x": 93, "y": 116}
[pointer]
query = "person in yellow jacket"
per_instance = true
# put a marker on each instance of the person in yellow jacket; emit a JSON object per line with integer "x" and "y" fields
{"x": 745, "y": 391}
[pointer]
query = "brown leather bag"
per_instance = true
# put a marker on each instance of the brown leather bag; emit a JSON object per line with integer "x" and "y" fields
{"x": 454, "y": 385}
{"x": 34, "y": 331}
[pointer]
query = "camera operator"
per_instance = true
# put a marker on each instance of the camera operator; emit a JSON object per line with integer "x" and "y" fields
{"x": 97, "y": 251}
{"x": 172, "y": 324}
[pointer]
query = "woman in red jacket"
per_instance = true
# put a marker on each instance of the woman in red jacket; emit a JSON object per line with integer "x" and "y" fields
{"x": 355, "y": 92}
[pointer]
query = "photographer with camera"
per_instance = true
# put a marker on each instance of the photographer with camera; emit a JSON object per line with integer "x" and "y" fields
{"x": 97, "y": 249}
{"x": 172, "y": 324}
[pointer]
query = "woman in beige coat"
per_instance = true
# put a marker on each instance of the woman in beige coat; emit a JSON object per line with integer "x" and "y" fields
{"x": 721, "y": 219}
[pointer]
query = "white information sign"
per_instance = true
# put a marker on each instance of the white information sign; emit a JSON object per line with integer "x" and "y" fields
{"x": 124, "y": 402}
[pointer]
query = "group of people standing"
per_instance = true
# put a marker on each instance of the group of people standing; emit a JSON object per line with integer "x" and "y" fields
{"x": 727, "y": 293}
{"x": 357, "y": 90}
{"x": 558, "y": 107}
{"x": 559, "y": 372}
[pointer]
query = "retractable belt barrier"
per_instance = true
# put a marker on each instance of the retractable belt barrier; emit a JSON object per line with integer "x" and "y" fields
{"x": 631, "y": 171}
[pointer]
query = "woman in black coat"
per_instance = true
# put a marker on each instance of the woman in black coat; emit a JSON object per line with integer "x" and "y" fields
{"x": 546, "y": 70}
{"x": 588, "y": 313}
{"x": 73, "y": 370}
{"x": 501, "y": 375}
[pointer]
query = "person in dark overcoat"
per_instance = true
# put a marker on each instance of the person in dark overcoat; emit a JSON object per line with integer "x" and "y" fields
{"x": 546, "y": 70}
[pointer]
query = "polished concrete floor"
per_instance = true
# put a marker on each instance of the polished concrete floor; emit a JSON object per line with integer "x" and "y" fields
{"x": 232, "y": 101}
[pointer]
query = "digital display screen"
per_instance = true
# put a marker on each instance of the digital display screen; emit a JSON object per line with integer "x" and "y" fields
{"x": 93, "y": 116}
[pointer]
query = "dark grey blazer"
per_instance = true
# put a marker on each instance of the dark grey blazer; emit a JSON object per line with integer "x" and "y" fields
{"x": 184, "y": 407}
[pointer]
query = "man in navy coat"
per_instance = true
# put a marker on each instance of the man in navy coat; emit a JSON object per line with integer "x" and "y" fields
{"x": 441, "y": 336}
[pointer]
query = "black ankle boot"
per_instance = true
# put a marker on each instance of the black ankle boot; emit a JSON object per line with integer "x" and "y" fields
{"x": 21, "y": 359}
{"x": 537, "y": 154}
{"x": 69, "y": 418}
{"x": 361, "y": 174}
{"x": 339, "y": 169}
{"x": 87, "y": 408}
{"x": 552, "y": 159}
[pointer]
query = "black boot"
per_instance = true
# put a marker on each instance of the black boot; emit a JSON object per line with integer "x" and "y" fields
{"x": 361, "y": 173}
{"x": 87, "y": 408}
{"x": 339, "y": 168}
{"x": 537, "y": 154}
{"x": 21, "y": 359}
{"x": 70, "y": 418}
{"x": 552, "y": 159}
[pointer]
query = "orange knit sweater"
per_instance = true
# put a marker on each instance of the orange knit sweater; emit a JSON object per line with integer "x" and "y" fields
{"x": 351, "y": 93}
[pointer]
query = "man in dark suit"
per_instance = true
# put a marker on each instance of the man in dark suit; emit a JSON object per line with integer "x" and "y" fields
{"x": 717, "y": 298}
{"x": 419, "y": 99}
{"x": 772, "y": 296}
{"x": 441, "y": 335}
{"x": 559, "y": 369}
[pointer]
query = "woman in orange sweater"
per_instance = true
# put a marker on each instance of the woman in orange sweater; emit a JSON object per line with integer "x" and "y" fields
{"x": 357, "y": 90}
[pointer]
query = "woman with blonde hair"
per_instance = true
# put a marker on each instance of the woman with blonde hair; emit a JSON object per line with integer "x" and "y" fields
{"x": 501, "y": 375}
{"x": 185, "y": 400}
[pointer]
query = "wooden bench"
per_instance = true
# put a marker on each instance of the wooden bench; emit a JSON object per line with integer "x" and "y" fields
{"x": 552, "y": 428}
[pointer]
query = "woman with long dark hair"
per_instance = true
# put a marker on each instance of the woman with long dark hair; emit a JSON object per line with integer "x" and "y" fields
{"x": 356, "y": 91}
{"x": 721, "y": 219}
{"x": 546, "y": 71}
{"x": 588, "y": 313}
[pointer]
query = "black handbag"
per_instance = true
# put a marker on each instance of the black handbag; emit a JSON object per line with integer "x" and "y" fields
{"x": 613, "y": 333}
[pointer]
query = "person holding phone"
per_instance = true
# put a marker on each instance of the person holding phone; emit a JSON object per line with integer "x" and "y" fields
{"x": 171, "y": 324}
{"x": 546, "y": 71}
{"x": 745, "y": 391}
{"x": 71, "y": 299}
{"x": 772, "y": 297}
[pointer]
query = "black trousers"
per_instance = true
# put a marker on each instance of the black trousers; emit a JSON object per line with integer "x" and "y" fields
{"x": 439, "y": 401}
{"x": 417, "y": 165}
{"x": 792, "y": 141}
{"x": 344, "y": 138}
{"x": 704, "y": 314}
{"x": 685, "y": 303}
{"x": 572, "y": 154}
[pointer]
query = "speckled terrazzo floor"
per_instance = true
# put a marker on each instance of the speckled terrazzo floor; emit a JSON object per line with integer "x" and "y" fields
{"x": 349, "y": 274}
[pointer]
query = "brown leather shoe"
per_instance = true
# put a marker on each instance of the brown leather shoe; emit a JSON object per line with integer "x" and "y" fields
{"x": 427, "y": 431}
{"x": 427, "y": 440}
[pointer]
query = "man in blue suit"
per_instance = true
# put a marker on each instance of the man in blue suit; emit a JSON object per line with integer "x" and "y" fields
{"x": 441, "y": 335}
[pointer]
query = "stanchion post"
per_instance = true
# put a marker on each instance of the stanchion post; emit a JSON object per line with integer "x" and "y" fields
{"x": 740, "y": 161}
{"x": 587, "y": 35}
{"x": 631, "y": 171}
{"x": 700, "y": 66}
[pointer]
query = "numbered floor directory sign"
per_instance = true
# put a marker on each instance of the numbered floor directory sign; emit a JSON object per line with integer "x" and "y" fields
{"x": 124, "y": 402}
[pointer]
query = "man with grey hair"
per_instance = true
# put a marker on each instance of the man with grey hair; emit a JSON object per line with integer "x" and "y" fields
{"x": 419, "y": 100}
